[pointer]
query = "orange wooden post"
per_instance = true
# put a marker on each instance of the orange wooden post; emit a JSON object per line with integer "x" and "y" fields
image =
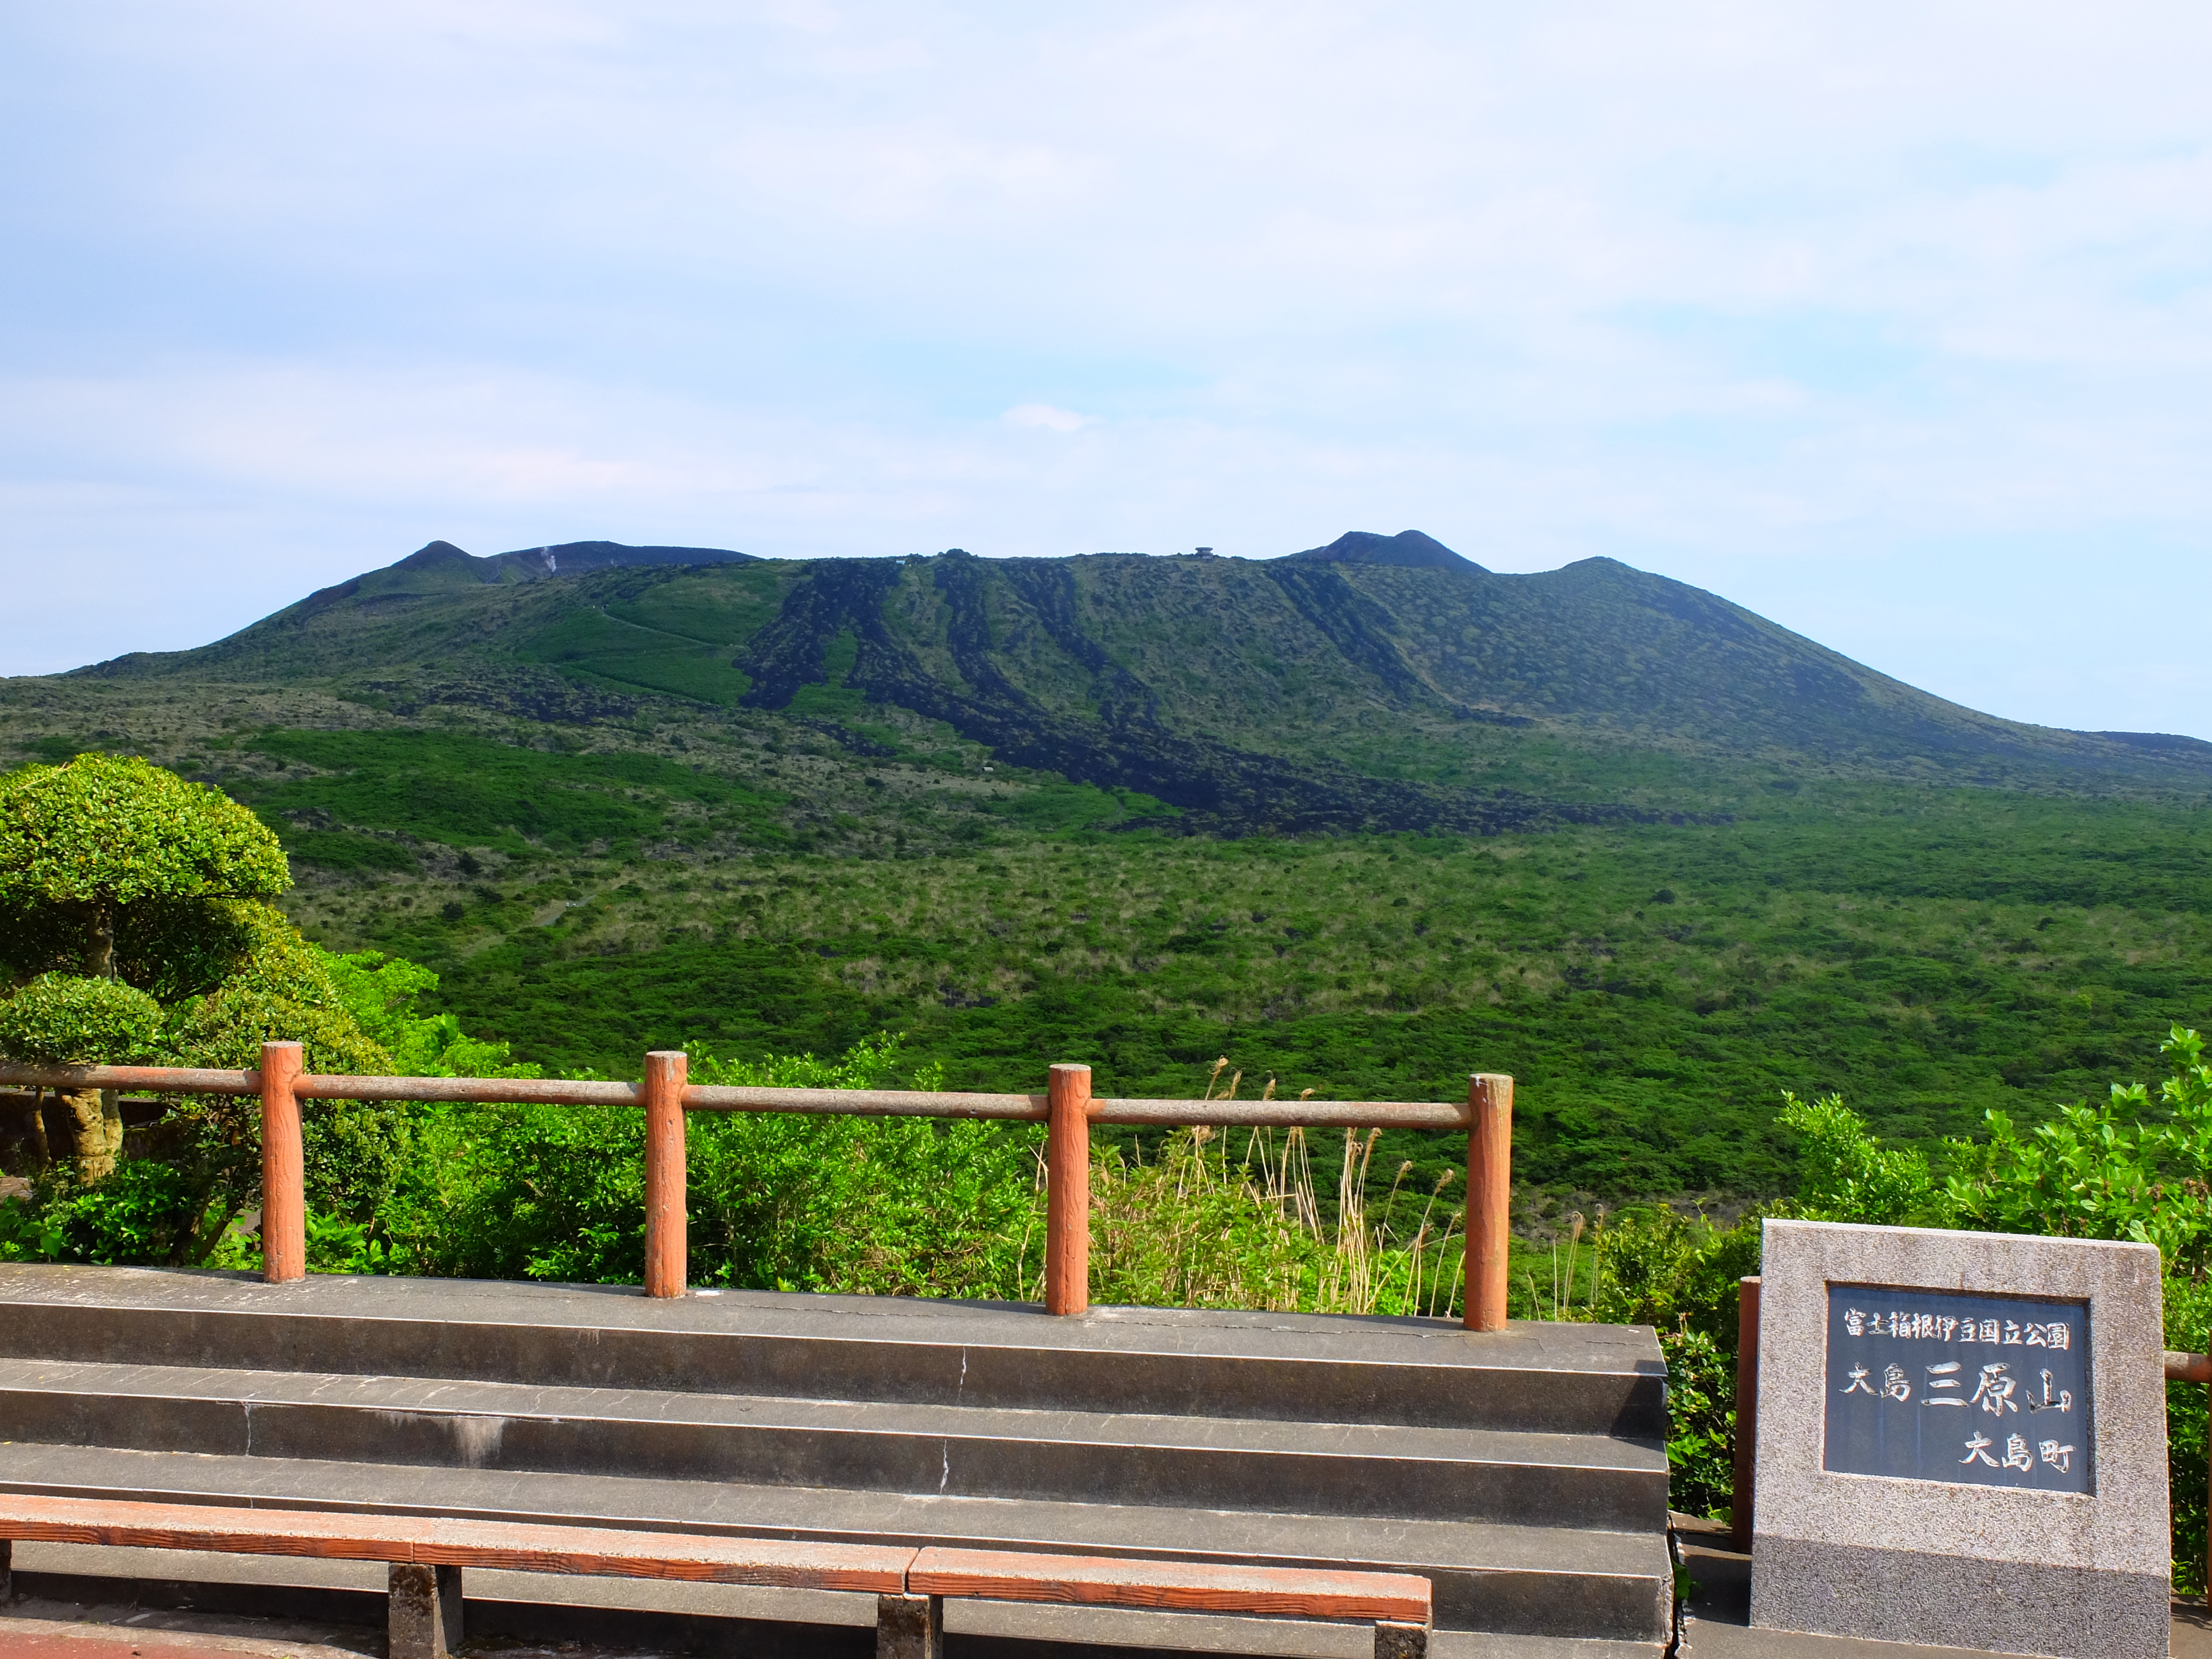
{"x": 1068, "y": 1191}
{"x": 665, "y": 1070}
{"x": 283, "y": 1166}
{"x": 1741, "y": 1499}
{"x": 1489, "y": 1197}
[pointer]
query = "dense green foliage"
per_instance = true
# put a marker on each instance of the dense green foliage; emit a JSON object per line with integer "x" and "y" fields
{"x": 120, "y": 869}
{"x": 1845, "y": 1174}
{"x": 466, "y": 791}
{"x": 1653, "y": 990}
{"x": 68, "y": 1019}
{"x": 98, "y": 831}
{"x": 135, "y": 907}
{"x": 156, "y": 891}
{"x": 1929, "y": 952}
{"x": 2104, "y": 1171}
{"x": 544, "y": 1193}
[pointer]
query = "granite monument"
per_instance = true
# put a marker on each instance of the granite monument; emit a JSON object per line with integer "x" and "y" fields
{"x": 1961, "y": 1441}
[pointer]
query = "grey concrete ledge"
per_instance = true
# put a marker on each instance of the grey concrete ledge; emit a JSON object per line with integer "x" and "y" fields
{"x": 1536, "y": 1377}
{"x": 1347, "y": 1338}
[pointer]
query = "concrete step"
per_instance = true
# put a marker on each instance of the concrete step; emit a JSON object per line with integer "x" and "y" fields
{"x": 629, "y": 1615}
{"x": 1488, "y": 1577}
{"x": 1522, "y": 1472}
{"x": 1364, "y": 1469}
{"x": 1535, "y": 1377}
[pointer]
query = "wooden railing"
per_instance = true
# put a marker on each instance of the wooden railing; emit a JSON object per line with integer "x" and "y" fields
{"x": 2194, "y": 1368}
{"x": 1067, "y": 1109}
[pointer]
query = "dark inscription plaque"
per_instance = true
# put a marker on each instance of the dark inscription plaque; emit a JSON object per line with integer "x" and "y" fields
{"x": 1977, "y": 1390}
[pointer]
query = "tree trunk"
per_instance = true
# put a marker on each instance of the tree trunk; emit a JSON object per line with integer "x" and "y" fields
{"x": 198, "y": 1241}
{"x": 96, "y": 1119}
{"x": 99, "y": 960}
{"x": 95, "y": 1136}
{"x": 34, "y": 1133}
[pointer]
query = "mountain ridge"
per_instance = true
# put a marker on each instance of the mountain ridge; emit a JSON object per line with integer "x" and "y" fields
{"x": 1408, "y": 548}
{"x": 1377, "y": 682}
{"x": 1361, "y": 825}
{"x": 440, "y": 563}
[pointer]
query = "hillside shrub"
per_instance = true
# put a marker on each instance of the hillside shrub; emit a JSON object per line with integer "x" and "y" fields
{"x": 2111, "y": 1170}
{"x": 776, "y": 1201}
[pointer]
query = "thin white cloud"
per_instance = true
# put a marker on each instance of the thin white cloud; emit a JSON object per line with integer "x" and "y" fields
{"x": 1043, "y": 417}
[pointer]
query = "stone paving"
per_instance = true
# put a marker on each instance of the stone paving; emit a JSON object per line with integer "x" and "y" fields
{"x": 1717, "y": 1625}
{"x": 34, "y": 1629}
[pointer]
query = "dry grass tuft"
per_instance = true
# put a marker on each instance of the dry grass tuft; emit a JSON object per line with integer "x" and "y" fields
{"x": 1196, "y": 1228}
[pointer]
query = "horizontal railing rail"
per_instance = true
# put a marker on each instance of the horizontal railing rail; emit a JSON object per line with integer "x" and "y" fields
{"x": 135, "y": 1079}
{"x": 1067, "y": 1109}
{"x": 2188, "y": 1367}
{"x": 717, "y": 1097}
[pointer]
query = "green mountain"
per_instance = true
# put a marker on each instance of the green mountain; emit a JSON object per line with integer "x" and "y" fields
{"x": 1362, "y": 819}
{"x": 1378, "y": 683}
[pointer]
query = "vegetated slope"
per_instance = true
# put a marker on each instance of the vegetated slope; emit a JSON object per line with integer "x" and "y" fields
{"x": 1376, "y": 683}
{"x": 775, "y": 805}
{"x": 592, "y": 891}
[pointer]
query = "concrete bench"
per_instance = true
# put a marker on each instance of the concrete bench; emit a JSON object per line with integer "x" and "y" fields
{"x": 426, "y": 1557}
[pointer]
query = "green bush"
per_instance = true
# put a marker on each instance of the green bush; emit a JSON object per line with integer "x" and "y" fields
{"x": 66, "y": 1019}
{"x": 1701, "y": 1423}
{"x": 137, "y": 905}
{"x": 1846, "y": 1174}
{"x": 2103, "y": 1171}
{"x": 776, "y": 1201}
{"x": 380, "y": 993}
{"x": 99, "y": 831}
{"x": 29, "y": 1232}
{"x": 1679, "y": 1274}
{"x": 2188, "y": 1329}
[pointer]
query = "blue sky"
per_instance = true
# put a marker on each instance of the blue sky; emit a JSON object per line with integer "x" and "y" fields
{"x": 1891, "y": 322}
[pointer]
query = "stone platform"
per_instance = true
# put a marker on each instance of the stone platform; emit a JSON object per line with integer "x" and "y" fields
{"x": 1717, "y": 1623}
{"x": 1523, "y": 1473}
{"x": 154, "y": 1628}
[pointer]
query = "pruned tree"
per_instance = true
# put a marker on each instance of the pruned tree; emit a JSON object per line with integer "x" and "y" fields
{"x": 68, "y": 1019}
{"x": 134, "y": 924}
{"x": 116, "y": 869}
